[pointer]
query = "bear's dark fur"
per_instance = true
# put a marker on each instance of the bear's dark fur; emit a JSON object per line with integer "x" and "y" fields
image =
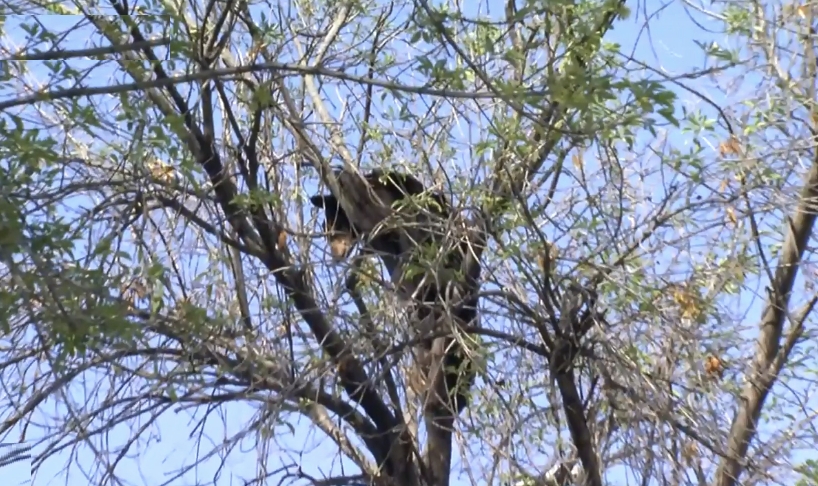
{"x": 397, "y": 189}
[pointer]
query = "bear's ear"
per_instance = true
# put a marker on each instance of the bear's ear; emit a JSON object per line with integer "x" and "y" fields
{"x": 409, "y": 183}
{"x": 399, "y": 184}
{"x": 323, "y": 201}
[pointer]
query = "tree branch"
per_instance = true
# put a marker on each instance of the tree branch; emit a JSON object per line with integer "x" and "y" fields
{"x": 763, "y": 373}
{"x": 351, "y": 372}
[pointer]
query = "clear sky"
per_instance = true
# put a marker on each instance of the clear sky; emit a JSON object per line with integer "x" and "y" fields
{"x": 670, "y": 44}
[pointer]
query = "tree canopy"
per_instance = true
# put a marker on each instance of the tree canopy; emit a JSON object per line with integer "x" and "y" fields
{"x": 639, "y": 219}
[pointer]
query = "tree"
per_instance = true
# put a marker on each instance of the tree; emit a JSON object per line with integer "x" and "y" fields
{"x": 637, "y": 258}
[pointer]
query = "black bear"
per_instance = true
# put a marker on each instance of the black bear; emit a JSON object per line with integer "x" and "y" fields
{"x": 420, "y": 213}
{"x": 389, "y": 187}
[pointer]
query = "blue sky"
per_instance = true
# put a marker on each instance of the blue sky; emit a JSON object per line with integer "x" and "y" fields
{"x": 669, "y": 44}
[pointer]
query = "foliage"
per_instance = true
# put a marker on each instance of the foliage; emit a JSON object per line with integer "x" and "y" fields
{"x": 644, "y": 239}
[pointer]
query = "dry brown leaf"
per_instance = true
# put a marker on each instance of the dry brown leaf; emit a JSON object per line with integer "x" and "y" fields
{"x": 713, "y": 366}
{"x": 690, "y": 451}
{"x": 546, "y": 258}
{"x": 730, "y": 146}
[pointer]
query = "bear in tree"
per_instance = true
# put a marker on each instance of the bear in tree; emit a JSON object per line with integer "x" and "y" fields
{"x": 417, "y": 219}
{"x": 390, "y": 188}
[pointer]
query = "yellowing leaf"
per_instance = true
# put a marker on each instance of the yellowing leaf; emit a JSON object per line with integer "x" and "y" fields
{"x": 576, "y": 159}
{"x": 160, "y": 170}
{"x": 724, "y": 185}
{"x": 731, "y": 215}
{"x": 730, "y": 146}
{"x": 688, "y": 303}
